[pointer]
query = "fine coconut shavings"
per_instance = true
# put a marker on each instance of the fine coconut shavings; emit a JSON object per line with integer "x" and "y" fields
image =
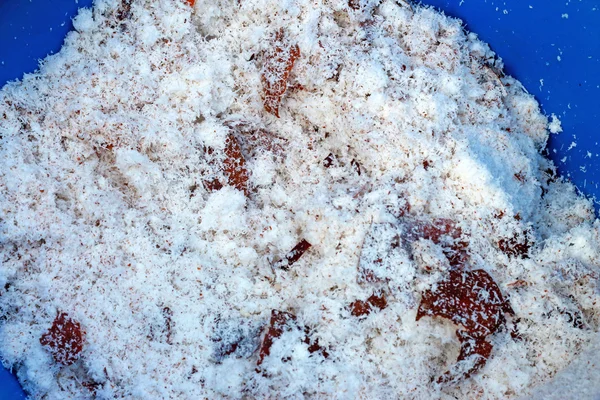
{"x": 253, "y": 198}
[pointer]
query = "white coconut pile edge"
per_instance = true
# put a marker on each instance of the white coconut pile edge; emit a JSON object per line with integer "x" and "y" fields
{"x": 104, "y": 215}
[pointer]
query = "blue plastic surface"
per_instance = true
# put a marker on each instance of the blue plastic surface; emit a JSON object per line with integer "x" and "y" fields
{"x": 551, "y": 46}
{"x": 30, "y": 30}
{"x": 9, "y": 386}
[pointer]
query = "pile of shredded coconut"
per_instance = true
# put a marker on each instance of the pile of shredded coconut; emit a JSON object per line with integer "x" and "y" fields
{"x": 135, "y": 263}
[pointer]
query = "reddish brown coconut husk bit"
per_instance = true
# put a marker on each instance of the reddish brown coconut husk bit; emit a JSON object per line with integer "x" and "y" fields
{"x": 472, "y": 300}
{"x": 92, "y": 386}
{"x": 438, "y": 230}
{"x": 313, "y": 345}
{"x": 278, "y": 65}
{"x": 256, "y": 140}
{"x": 361, "y": 308}
{"x": 468, "y": 298}
{"x": 294, "y": 255}
{"x": 282, "y": 321}
{"x": 64, "y": 339}
{"x": 449, "y": 235}
{"x": 233, "y": 166}
{"x": 380, "y": 246}
{"x": 212, "y": 185}
{"x": 473, "y": 351}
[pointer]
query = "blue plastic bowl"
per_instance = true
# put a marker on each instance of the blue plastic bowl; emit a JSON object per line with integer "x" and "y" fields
{"x": 552, "y": 47}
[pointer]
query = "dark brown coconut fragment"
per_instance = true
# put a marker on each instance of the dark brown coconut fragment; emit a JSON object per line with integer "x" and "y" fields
{"x": 356, "y": 166}
{"x": 516, "y": 246}
{"x": 294, "y": 255}
{"x": 313, "y": 345}
{"x": 92, "y": 386}
{"x": 354, "y": 4}
{"x": 124, "y": 10}
{"x": 64, "y": 339}
{"x": 328, "y": 161}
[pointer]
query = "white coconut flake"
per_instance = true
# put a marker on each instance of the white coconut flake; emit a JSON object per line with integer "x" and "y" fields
{"x": 147, "y": 193}
{"x": 555, "y": 125}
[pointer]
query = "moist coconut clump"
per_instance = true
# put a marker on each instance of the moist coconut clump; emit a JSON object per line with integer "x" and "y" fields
{"x": 257, "y": 198}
